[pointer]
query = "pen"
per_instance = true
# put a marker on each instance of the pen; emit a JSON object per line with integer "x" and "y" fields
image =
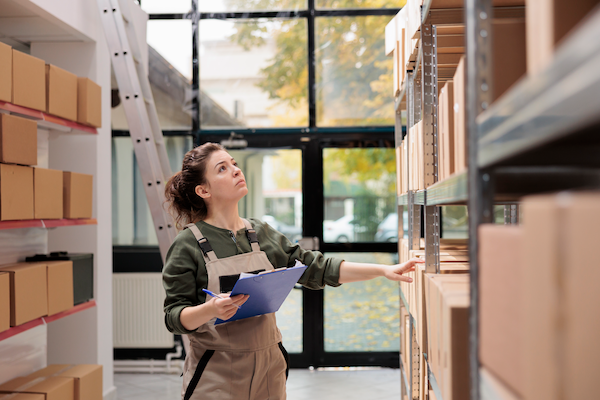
{"x": 208, "y": 292}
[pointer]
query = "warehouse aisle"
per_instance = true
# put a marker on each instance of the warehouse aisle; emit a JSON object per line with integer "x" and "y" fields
{"x": 381, "y": 384}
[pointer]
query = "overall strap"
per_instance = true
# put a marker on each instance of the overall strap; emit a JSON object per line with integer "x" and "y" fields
{"x": 251, "y": 234}
{"x": 207, "y": 250}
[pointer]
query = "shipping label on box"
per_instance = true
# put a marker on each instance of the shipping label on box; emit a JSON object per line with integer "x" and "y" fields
{"x": 18, "y": 140}
{"x": 61, "y": 93}
{"x": 4, "y": 301}
{"x": 29, "y": 81}
{"x": 89, "y": 102}
{"x": 77, "y": 195}
{"x": 48, "y": 193}
{"x": 16, "y": 192}
{"x": 5, "y": 72}
{"x": 28, "y": 292}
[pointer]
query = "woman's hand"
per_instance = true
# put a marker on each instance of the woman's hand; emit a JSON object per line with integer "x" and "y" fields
{"x": 226, "y": 307}
{"x": 396, "y": 272}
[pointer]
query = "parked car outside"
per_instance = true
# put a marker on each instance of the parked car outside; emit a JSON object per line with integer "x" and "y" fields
{"x": 339, "y": 231}
{"x": 387, "y": 231}
{"x": 294, "y": 233}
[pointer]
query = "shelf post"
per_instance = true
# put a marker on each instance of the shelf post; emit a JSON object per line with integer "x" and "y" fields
{"x": 429, "y": 89}
{"x": 478, "y": 36}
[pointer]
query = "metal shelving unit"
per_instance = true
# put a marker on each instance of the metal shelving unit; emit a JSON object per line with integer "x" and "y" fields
{"x": 541, "y": 136}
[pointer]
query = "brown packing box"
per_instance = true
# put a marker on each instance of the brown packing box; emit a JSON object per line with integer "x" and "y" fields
{"x": 447, "y": 129}
{"x": 60, "y": 286}
{"x": 460, "y": 143}
{"x": 4, "y": 301}
{"x": 89, "y": 102}
{"x": 549, "y": 22}
{"x": 77, "y": 195}
{"x": 445, "y": 255}
{"x": 22, "y": 396}
{"x": 47, "y": 193}
{"x": 29, "y": 81}
{"x": 18, "y": 140}
{"x": 5, "y": 72}
{"x": 562, "y": 300}
{"x": 28, "y": 292}
{"x": 88, "y": 378}
{"x": 16, "y": 192}
{"x": 500, "y": 307}
{"x": 508, "y": 53}
{"x": 53, "y": 388}
{"x": 448, "y": 304}
{"x": 61, "y": 93}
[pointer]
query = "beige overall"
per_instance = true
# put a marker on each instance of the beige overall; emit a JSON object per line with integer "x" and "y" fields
{"x": 239, "y": 360}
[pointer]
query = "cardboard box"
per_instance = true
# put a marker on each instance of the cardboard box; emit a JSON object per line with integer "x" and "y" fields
{"x": 4, "y": 301}
{"x": 52, "y": 388}
{"x": 89, "y": 102}
{"x": 77, "y": 195}
{"x": 508, "y": 53}
{"x": 460, "y": 140}
{"x": 47, "y": 193}
{"x": 29, "y": 81}
{"x": 5, "y": 72}
{"x": 18, "y": 140}
{"x": 61, "y": 93}
{"x": 28, "y": 292}
{"x": 22, "y": 396}
{"x": 447, "y": 299}
{"x": 562, "y": 300}
{"x": 501, "y": 299}
{"x": 446, "y": 113}
{"x": 16, "y": 192}
{"x": 60, "y": 286}
{"x": 548, "y": 23}
{"x": 88, "y": 378}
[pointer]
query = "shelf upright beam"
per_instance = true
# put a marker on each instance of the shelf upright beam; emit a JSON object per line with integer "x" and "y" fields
{"x": 429, "y": 74}
{"x": 478, "y": 35}
{"x": 414, "y": 210}
{"x": 511, "y": 214}
{"x": 398, "y": 142}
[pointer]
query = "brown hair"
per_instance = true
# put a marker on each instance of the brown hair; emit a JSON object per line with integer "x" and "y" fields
{"x": 180, "y": 191}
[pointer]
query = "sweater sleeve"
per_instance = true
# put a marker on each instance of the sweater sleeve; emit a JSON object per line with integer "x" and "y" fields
{"x": 281, "y": 252}
{"x": 180, "y": 275}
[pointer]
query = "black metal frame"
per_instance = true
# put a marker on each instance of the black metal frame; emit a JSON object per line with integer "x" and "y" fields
{"x": 311, "y": 140}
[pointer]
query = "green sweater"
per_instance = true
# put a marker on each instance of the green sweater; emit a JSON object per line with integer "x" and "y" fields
{"x": 184, "y": 274}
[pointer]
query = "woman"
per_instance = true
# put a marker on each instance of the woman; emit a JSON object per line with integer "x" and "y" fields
{"x": 242, "y": 359}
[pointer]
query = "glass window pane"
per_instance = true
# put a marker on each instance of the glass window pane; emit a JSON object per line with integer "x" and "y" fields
{"x": 363, "y": 316}
{"x": 166, "y": 7}
{"x": 353, "y": 74}
{"x": 253, "y": 73}
{"x": 359, "y": 190}
{"x": 336, "y": 4}
{"x": 455, "y": 222}
{"x": 169, "y": 73}
{"x": 131, "y": 218}
{"x": 289, "y": 321}
{"x": 250, "y": 5}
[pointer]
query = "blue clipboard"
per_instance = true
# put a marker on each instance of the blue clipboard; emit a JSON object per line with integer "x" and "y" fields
{"x": 267, "y": 291}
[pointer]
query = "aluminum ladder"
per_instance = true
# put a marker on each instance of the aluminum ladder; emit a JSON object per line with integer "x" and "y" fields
{"x": 140, "y": 110}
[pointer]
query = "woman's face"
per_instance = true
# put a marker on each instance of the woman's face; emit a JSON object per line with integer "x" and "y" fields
{"x": 224, "y": 180}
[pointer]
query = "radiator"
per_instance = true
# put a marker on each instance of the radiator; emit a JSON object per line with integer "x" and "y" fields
{"x": 138, "y": 318}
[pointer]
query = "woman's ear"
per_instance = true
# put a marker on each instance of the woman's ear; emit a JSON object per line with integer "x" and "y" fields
{"x": 202, "y": 192}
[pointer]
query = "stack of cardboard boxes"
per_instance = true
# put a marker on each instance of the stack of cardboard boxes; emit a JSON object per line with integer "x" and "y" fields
{"x": 57, "y": 382}
{"x": 29, "y": 82}
{"x": 33, "y": 290}
{"x": 439, "y": 306}
{"x": 540, "y": 301}
{"x": 28, "y": 192}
